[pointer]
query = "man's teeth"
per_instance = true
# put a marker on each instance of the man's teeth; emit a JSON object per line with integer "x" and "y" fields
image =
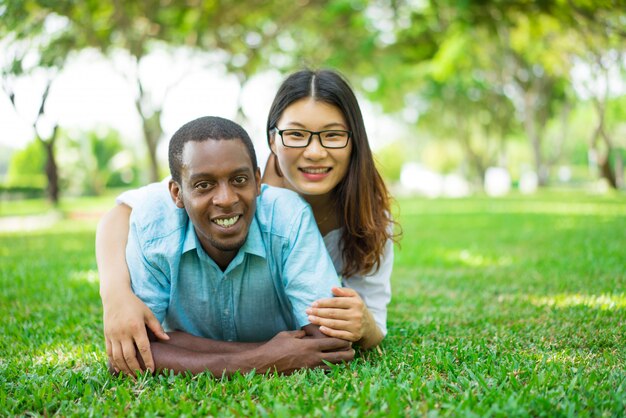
{"x": 316, "y": 170}
{"x": 228, "y": 222}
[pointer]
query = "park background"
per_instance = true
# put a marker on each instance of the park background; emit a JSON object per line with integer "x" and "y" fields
{"x": 500, "y": 127}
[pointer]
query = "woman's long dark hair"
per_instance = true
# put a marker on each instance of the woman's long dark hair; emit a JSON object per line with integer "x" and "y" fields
{"x": 361, "y": 195}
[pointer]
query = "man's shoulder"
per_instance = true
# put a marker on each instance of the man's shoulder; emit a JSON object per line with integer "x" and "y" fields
{"x": 278, "y": 209}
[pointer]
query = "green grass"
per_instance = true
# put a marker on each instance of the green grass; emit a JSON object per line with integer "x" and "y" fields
{"x": 506, "y": 307}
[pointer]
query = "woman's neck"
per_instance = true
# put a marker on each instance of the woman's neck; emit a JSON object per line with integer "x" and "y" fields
{"x": 325, "y": 211}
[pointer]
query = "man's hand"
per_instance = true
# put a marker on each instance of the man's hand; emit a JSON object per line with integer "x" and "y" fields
{"x": 125, "y": 321}
{"x": 289, "y": 351}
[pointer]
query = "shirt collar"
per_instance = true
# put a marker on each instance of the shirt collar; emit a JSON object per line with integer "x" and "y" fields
{"x": 252, "y": 245}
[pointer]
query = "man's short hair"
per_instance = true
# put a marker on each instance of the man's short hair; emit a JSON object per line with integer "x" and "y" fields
{"x": 202, "y": 129}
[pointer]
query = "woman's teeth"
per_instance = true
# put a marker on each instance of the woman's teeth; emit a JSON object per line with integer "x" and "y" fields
{"x": 315, "y": 170}
{"x": 228, "y": 222}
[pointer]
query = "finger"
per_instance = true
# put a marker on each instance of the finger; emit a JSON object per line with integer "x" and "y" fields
{"x": 109, "y": 349}
{"x": 344, "y": 292}
{"x": 118, "y": 359}
{"x": 338, "y": 324}
{"x": 339, "y": 356}
{"x": 143, "y": 345}
{"x": 155, "y": 327}
{"x": 294, "y": 334}
{"x": 130, "y": 357}
{"x": 331, "y": 344}
{"x": 110, "y": 356}
{"x": 340, "y": 303}
{"x": 330, "y": 313}
{"x": 344, "y": 335}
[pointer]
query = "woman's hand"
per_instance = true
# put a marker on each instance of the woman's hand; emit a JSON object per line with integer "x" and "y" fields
{"x": 345, "y": 316}
{"x": 125, "y": 321}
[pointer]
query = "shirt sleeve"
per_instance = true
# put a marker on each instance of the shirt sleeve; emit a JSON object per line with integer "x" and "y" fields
{"x": 148, "y": 282}
{"x": 134, "y": 197}
{"x": 375, "y": 288}
{"x": 308, "y": 271}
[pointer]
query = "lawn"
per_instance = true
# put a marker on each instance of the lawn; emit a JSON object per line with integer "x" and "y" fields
{"x": 507, "y": 307}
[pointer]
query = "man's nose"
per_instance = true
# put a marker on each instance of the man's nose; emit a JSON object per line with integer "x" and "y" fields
{"x": 225, "y": 196}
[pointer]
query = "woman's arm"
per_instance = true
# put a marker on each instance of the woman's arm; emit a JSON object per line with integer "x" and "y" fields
{"x": 358, "y": 313}
{"x": 125, "y": 316}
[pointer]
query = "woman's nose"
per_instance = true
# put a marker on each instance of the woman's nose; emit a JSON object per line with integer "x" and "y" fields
{"x": 315, "y": 150}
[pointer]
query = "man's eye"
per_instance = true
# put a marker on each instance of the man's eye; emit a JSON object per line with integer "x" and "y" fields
{"x": 203, "y": 185}
{"x": 239, "y": 180}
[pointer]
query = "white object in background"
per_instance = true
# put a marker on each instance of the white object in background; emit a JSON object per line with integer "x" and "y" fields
{"x": 528, "y": 182}
{"x": 417, "y": 179}
{"x": 455, "y": 185}
{"x": 497, "y": 181}
{"x": 565, "y": 174}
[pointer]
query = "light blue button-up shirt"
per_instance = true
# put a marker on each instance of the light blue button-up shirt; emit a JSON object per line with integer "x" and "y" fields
{"x": 280, "y": 270}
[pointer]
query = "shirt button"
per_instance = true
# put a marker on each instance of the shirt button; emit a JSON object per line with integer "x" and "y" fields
{"x": 226, "y": 312}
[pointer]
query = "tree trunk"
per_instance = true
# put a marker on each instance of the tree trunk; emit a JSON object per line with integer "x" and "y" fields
{"x": 606, "y": 171}
{"x": 52, "y": 171}
{"x": 534, "y": 136}
{"x": 152, "y": 131}
{"x": 152, "y": 158}
{"x": 619, "y": 168}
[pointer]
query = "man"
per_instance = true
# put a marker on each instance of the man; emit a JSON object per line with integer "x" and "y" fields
{"x": 230, "y": 265}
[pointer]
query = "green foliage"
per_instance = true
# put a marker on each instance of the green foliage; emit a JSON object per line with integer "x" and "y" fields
{"x": 106, "y": 163}
{"x": 490, "y": 317}
{"x": 389, "y": 160}
{"x": 27, "y": 167}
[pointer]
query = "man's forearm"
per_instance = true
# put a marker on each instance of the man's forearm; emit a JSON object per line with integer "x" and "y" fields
{"x": 285, "y": 353}
{"x": 181, "y": 360}
{"x": 205, "y": 345}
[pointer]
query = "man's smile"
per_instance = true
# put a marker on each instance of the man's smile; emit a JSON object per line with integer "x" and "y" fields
{"x": 226, "y": 222}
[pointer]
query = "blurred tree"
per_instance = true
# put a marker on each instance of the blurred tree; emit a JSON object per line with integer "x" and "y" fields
{"x": 34, "y": 43}
{"x": 604, "y": 54}
{"x": 232, "y": 31}
{"x": 485, "y": 62}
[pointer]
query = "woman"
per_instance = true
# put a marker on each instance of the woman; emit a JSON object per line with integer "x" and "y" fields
{"x": 320, "y": 150}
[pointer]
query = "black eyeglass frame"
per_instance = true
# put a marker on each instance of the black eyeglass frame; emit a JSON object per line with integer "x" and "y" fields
{"x": 311, "y": 133}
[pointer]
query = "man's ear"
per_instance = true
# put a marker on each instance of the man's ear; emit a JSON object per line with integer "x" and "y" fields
{"x": 257, "y": 178}
{"x": 177, "y": 193}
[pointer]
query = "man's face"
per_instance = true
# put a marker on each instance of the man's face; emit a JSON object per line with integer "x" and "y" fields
{"x": 218, "y": 190}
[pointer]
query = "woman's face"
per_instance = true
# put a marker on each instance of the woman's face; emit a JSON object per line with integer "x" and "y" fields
{"x": 313, "y": 170}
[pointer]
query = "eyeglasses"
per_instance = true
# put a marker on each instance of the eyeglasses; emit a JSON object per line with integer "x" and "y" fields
{"x": 301, "y": 138}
